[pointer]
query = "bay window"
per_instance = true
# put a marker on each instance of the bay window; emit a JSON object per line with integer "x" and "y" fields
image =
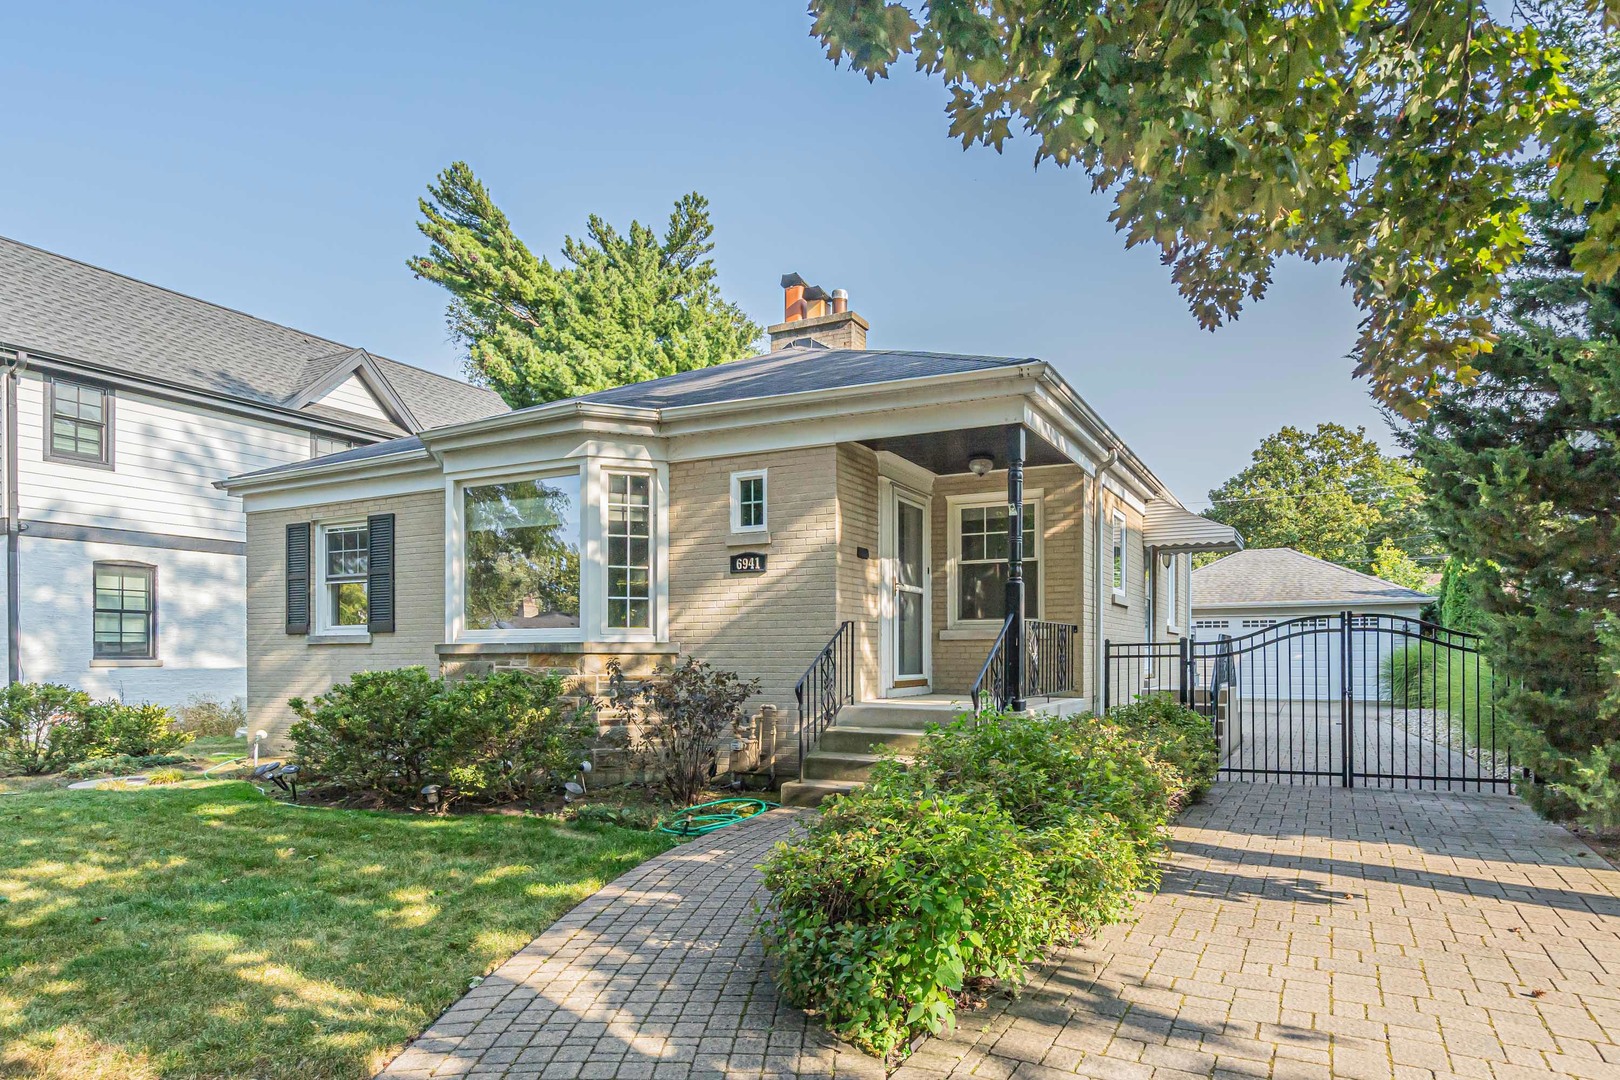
{"x": 522, "y": 554}
{"x": 629, "y": 551}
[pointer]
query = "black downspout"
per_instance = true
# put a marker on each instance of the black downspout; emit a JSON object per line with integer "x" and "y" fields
{"x": 13, "y": 504}
{"x": 1013, "y": 668}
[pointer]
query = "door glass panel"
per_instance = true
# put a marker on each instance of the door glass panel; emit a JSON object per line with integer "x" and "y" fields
{"x": 909, "y": 545}
{"x": 909, "y": 631}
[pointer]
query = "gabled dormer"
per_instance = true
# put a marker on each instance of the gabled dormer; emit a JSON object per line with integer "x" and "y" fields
{"x": 350, "y": 386}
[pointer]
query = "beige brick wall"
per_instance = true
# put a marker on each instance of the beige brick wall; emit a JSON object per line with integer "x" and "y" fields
{"x": 860, "y": 581}
{"x": 282, "y": 665}
{"x": 1063, "y": 493}
{"x": 767, "y": 626}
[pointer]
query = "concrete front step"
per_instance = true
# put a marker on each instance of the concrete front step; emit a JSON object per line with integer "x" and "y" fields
{"x": 834, "y": 765}
{"x": 812, "y": 792}
{"x": 907, "y": 717}
{"x": 860, "y": 739}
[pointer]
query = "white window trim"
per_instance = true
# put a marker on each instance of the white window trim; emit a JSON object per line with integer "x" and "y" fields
{"x": 1172, "y": 596}
{"x": 954, "y": 504}
{"x": 325, "y": 626}
{"x": 593, "y": 552}
{"x": 1119, "y": 538}
{"x": 736, "y": 500}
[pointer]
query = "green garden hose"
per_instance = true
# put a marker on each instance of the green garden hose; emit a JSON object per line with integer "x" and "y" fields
{"x": 709, "y": 816}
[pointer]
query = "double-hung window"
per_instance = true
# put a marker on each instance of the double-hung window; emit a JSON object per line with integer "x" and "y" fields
{"x": 1119, "y": 557}
{"x": 344, "y": 561}
{"x": 1172, "y": 594}
{"x": 125, "y": 611}
{"x": 629, "y": 551}
{"x": 78, "y": 423}
{"x": 979, "y": 539}
{"x": 748, "y": 501}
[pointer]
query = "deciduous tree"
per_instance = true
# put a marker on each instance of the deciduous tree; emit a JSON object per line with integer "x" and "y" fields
{"x": 1379, "y": 133}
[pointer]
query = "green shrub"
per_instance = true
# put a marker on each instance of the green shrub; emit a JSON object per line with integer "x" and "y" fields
{"x": 508, "y": 735}
{"x": 41, "y": 729}
{"x": 1090, "y": 868}
{"x": 1177, "y": 736}
{"x": 383, "y": 736}
{"x": 1039, "y": 768}
{"x": 119, "y": 766}
{"x": 374, "y": 736}
{"x": 883, "y": 910}
{"x": 160, "y": 777}
{"x": 207, "y": 717}
{"x": 114, "y": 729}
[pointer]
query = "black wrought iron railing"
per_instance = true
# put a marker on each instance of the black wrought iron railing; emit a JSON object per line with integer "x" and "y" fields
{"x": 826, "y": 686}
{"x": 1050, "y": 652}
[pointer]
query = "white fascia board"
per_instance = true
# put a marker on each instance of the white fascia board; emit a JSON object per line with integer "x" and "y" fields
{"x": 517, "y": 454}
{"x": 1062, "y": 433}
{"x": 1147, "y": 483}
{"x": 399, "y": 477}
{"x": 1111, "y": 483}
{"x": 540, "y": 420}
{"x": 1355, "y": 607}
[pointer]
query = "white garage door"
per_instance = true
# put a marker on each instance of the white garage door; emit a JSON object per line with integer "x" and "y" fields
{"x": 1303, "y": 662}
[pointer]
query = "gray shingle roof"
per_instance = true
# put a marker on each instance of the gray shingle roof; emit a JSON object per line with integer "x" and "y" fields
{"x": 1267, "y": 577}
{"x": 52, "y": 304}
{"x": 791, "y": 371}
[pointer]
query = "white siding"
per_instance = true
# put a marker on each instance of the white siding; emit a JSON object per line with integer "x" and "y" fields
{"x": 167, "y": 456}
{"x": 352, "y": 395}
{"x": 201, "y": 621}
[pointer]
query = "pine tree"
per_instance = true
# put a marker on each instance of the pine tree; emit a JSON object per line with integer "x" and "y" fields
{"x": 1523, "y": 473}
{"x": 624, "y": 308}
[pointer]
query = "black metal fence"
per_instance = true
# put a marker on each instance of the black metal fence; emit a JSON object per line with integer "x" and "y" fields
{"x": 1354, "y": 700}
{"x": 825, "y": 687}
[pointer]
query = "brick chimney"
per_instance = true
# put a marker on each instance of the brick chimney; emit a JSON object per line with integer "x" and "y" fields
{"x": 810, "y": 313}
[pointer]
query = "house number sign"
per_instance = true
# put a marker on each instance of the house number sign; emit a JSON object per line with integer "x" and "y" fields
{"x": 748, "y": 562}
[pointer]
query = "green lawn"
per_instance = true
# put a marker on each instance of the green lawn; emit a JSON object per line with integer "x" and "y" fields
{"x": 206, "y": 931}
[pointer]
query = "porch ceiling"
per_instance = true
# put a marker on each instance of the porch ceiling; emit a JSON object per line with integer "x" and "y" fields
{"x": 947, "y": 452}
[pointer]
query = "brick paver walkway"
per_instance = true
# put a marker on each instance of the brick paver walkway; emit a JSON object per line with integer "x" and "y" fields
{"x": 1300, "y": 933}
{"x": 658, "y": 975}
{"x": 1317, "y": 932}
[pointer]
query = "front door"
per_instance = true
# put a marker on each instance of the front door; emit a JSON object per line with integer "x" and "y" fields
{"x": 907, "y": 612}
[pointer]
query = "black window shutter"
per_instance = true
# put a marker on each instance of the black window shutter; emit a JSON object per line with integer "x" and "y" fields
{"x": 298, "y": 567}
{"x": 380, "y": 573}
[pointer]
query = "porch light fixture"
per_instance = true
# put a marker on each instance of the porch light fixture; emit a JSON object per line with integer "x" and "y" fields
{"x": 981, "y": 464}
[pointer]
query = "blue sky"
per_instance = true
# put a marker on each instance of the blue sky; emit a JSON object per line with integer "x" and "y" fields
{"x": 269, "y": 157}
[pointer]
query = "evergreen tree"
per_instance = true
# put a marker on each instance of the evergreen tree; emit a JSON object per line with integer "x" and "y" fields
{"x": 1523, "y": 472}
{"x": 623, "y": 308}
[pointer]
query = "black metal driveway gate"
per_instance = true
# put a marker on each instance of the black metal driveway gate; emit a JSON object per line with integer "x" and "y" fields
{"x": 1354, "y": 700}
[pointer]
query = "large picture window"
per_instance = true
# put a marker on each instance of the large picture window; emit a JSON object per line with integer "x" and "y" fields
{"x": 345, "y": 559}
{"x": 981, "y": 562}
{"x": 125, "y": 617}
{"x": 79, "y": 417}
{"x": 522, "y": 554}
{"x": 629, "y": 551}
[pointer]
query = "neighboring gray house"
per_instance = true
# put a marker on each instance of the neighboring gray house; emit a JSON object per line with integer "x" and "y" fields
{"x": 1247, "y": 591}
{"x": 124, "y": 403}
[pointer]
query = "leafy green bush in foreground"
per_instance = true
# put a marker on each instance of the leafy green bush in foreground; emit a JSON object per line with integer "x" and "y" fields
{"x": 1005, "y": 835}
{"x": 46, "y": 727}
{"x": 1178, "y": 736}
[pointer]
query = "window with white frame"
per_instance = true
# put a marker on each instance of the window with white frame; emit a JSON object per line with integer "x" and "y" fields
{"x": 748, "y": 501}
{"x": 522, "y": 554}
{"x": 1119, "y": 556}
{"x": 341, "y": 600}
{"x": 321, "y": 445}
{"x": 1172, "y": 593}
{"x": 629, "y": 551}
{"x": 979, "y": 550}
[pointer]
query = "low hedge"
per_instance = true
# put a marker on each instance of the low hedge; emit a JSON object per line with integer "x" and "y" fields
{"x": 1178, "y": 737}
{"x": 1005, "y": 835}
{"x": 47, "y": 727}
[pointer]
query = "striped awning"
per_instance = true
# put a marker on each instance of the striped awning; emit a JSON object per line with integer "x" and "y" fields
{"x": 1172, "y": 530}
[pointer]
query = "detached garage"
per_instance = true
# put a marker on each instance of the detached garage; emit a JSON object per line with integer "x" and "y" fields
{"x": 1248, "y": 591}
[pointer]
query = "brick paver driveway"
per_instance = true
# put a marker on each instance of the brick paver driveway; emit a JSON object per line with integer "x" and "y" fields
{"x": 1307, "y": 932}
{"x": 1300, "y": 933}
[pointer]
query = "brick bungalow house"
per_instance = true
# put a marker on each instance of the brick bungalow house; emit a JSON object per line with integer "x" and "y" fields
{"x": 824, "y": 513}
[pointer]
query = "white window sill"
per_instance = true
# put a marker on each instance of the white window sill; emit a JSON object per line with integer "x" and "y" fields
{"x": 126, "y": 662}
{"x": 749, "y": 538}
{"x": 1172, "y": 628}
{"x": 987, "y": 632}
{"x": 334, "y": 638}
{"x": 1119, "y": 599}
